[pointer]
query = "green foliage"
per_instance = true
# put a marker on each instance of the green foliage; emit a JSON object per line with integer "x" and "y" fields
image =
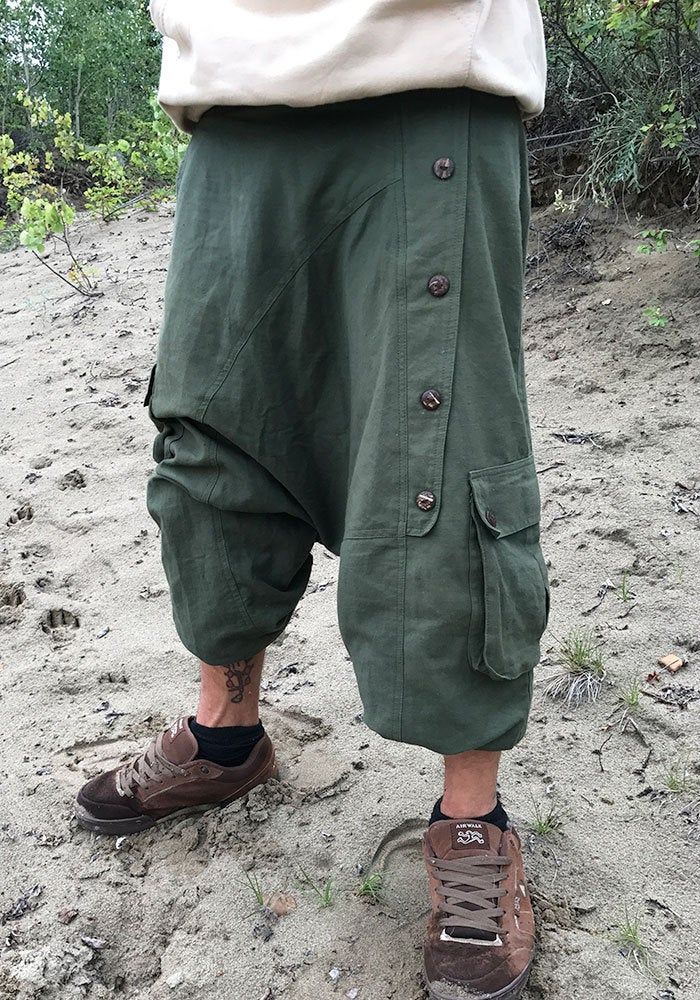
{"x": 630, "y": 695}
{"x": 581, "y": 670}
{"x": 654, "y": 240}
{"x": 624, "y": 90}
{"x": 9, "y": 235}
{"x": 254, "y": 884}
{"x": 156, "y": 146}
{"x": 371, "y": 888}
{"x": 655, "y": 317}
{"x": 99, "y": 61}
{"x": 42, "y": 218}
{"x": 546, "y": 819}
{"x": 628, "y": 936}
{"x": 116, "y": 171}
{"x": 678, "y": 779}
{"x": 324, "y": 891}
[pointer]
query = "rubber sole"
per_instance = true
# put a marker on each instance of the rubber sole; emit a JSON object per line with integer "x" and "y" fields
{"x": 454, "y": 991}
{"x": 137, "y": 824}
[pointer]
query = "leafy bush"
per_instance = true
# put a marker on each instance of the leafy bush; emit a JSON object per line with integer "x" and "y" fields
{"x": 623, "y": 101}
{"x": 115, "y": 173}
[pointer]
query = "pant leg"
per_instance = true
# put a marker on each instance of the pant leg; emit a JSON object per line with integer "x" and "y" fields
{"x": 443, "y": 622}
{"x": 235, "y": 546}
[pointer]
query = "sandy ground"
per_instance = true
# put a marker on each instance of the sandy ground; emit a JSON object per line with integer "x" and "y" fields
{"x": 91, "y": 666}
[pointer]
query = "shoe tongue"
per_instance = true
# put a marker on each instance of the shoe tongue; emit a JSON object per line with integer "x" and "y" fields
{"x": 462, "y": 838}
{"x": 179, "y": 745}
{"x": 457, "y": 838}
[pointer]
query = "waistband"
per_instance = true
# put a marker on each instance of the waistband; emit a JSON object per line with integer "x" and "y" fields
{"x": 434, "y": 99}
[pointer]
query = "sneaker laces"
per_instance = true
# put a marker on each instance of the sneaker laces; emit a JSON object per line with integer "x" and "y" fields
{"x": 469, "y": 889}
{"x": 148, "y": 768}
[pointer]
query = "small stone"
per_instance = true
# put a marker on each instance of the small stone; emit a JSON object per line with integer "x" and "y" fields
{"x": 672, "y": 662}
{"x": 583, "y": 905}
{"x": 97, "y": 944}
{"x": 280, "y": 903}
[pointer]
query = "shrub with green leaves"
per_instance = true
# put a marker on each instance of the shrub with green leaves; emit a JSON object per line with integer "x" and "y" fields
{"x": 623, "y": 102}
{"x": 36, "y": 202}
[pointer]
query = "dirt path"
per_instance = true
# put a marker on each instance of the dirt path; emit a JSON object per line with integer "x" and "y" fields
{"x": 91, "y": 666}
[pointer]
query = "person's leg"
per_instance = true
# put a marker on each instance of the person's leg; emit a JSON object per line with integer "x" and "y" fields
{"x": 470, "y": 783}
{"x": 229, "y": 693}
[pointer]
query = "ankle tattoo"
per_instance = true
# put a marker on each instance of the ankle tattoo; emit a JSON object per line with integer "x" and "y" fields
{"x": 238, "y": 675}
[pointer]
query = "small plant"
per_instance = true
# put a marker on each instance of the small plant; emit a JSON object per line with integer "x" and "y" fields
{"x": 628, "y": 705}
{"x": 324, "y": 891}
{"x": 582, "y": 670}
{"x": 629, "y": 938}
{"x": 654, "y": 317}
{"x": 629, "y": 696}
{"x": 672, "y": 127}
{"x": 655, "y": 240}
{"x": 624, "y": 592}
{"x": 371, "y": 888}
{"x": 255, "y": 887}
{"x": 561, "y": 204}
{"x": 546, "y": 819}
{"x": 694, "y": 247}
{"x": 677, "y": 780}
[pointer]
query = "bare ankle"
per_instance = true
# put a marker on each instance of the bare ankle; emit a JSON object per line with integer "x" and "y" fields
{"x": 230, "y": 692}
{"x": 470, "y": 783}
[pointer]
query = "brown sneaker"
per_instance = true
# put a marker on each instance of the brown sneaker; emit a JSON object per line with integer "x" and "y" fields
{"x": 165, "y": 780}
{"x": 481, "y": 933}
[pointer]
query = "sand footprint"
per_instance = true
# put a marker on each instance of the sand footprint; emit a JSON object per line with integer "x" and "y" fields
{"x": 23, "y": 513}
{"x": 58, "y": 619}
{"x": 12, "y": 596}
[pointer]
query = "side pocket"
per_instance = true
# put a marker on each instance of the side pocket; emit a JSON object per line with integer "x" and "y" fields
{"x": 168, "y": 431}
{"x": 508, "y": 583}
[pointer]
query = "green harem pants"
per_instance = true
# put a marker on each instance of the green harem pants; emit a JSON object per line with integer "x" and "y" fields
{"x": 340, "y": 361}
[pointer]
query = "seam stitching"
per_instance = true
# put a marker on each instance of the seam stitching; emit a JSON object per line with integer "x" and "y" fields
{"x": 402, "y": 300}
{"x": 234, "y": 590}
{"x": 294, "y": 268}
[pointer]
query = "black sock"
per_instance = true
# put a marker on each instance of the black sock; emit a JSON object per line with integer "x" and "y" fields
{"x": 228, "y": 746}
{"x": 498, "y": 816}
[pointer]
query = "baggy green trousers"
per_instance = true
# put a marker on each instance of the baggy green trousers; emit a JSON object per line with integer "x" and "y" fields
{"x": 340, "y": 361}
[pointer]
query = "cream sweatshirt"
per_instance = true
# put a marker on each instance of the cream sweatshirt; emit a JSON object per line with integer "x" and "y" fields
{"x": 309, "y": 52}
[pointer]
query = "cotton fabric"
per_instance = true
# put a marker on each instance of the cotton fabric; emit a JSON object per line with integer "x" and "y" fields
{"x": 310, "y": 52}
{"x": 299, "y": 339}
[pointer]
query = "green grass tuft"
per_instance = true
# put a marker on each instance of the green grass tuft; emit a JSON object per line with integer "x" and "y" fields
{"x": 582, "y": 670}
{"x": 371, "y": 888}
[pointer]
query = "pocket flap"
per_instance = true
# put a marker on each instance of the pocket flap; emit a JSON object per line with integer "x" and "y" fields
{"x": 507, "y": 497}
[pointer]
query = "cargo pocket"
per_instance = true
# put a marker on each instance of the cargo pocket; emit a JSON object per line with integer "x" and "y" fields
{"x": 168, "y": 431}
{"x": 508, "y": 582}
